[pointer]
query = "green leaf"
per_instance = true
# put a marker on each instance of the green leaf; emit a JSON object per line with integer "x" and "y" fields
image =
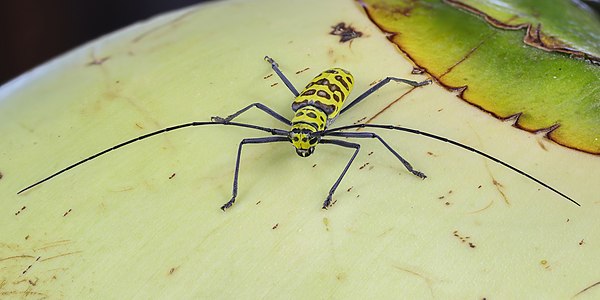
{"x": 545, "y": 91}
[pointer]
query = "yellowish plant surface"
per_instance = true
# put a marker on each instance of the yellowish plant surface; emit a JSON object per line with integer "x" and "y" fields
{"x": 144, "y": 221}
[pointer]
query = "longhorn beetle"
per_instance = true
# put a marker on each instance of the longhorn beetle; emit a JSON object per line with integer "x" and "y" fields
{"x": 315, "y": 109}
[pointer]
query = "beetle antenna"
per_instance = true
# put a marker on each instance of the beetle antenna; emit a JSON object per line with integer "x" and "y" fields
{"x": 455, "y": 143}
{"x": 151, "y": 134}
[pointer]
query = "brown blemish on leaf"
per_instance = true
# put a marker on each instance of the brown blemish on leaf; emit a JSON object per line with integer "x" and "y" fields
{"x": 346, "y": 33}
{"x": 360, "y": 120}
{"x": 24, "y": 294}
{"x": 268, "y": 76}
{"x": 52, "y": 245}
{"x": 305, "y": 69}
{"x": 499, "y": 187}
{"x": 172, "y": 175}
{"x": 326, "y": 223}
{"x": 482, "y": 209}
{"x": 97, "y": 61}
{"x": 22, "y": 209}
{"x": 388, "y": 106}
{"x": 172, "y": 270}
{"x": 274, "y": 84}
{"x": 464, "y": 239}
{"x": 465, "y": 57}
{"x": 66, "y": 213}
{"x": 542, "y": 145}
{"x": 544, "y": 263}
{"x": 16, "y": 257}
{"x": 61, "y": 255}
{"x": 427, "y": 280}
{"x": 31, "y": 265}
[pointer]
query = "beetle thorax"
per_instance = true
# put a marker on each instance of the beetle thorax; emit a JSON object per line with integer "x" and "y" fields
{"x": 306, "y": 122}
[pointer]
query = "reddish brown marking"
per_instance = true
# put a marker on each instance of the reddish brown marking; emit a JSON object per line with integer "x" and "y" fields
{"x": 68, "y": 211}
{"x": 349, "y": 189}
{"x": 370, "y": 153}
{"x": 257, "y": 203}
{"x": 466, "y": 55}
{"x": 499, "y": 187}
{"x": 360, "y": 120}
{"x": 542, "y": 145}
{"x": 275, "y": 226}
{"x": 61, "y": 255}
{"x": 53, "y": 244}
{"x": 172, "y": 175}
{"x": 389, "y": 105}
{"x": 268, "y": 76}
{"x": 363, "y": 166}
{"x": 16, "y": 257}
{"x": 274, "y": 84}
{"x": 139, "y": 126}
{"x": 463, "y": 239}
{"x": 346, "y": 33}
{"x": 298, "y": 72}
{"x": 581, "y": 242}
{"x": 314, "y": 165}
{"x": 31, "y": 265}
{"x": 22, "y": 209}
{"x": 97, "y": 62}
